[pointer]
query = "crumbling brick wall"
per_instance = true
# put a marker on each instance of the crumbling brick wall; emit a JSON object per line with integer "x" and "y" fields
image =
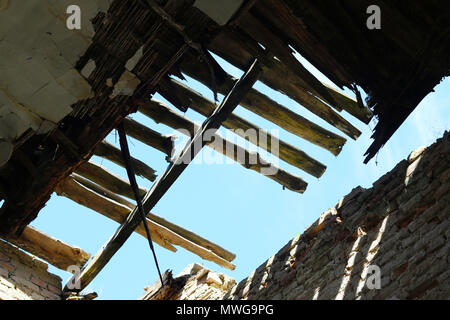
{"x": 195, "y": 282}
{"x": 396, "y": 232}
{"x": 23, "y": 277}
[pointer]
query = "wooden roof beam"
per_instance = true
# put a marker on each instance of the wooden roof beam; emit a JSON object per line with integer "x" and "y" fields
{"x": 274, "y": 112}
{"x": 110, "y": 152}
{"x": 188, "y": 235}
{"x": 185, "y": 96}
{"x": 238, "y": 49}
{"x": 166, "y": 180}
{"x": 198, "y": 103}
{"x": 258, "y": 31}
{"x": 177, "y": 121}
{"x": 54, "y": 251}
{"x": 152, "y": 138}
{"x": 107, "y": 179}
{"x": 262, "y": 105}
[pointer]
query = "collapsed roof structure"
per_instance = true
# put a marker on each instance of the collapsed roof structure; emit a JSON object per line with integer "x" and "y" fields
{"x": 63, "y": 91}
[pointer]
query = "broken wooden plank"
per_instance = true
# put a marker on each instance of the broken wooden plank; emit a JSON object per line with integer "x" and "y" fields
{"x": 351, "y": 105}
{"x": 54, "y": 251}
{"x": 99, "y": 189}
{"x": 152, "y": 138}
{"x": 108, "y": 151}
{"x": 248, "y": 159}
{"x": 269, "y": 109}
{"x": 107, "y": 179}
{"x": 231, "y": 47}
{"x": 177, "y": 93}
{"x": 118, "y": 212}
{"x": 286, "y": 152}
{"x": 188, "y": 235}
{"x": 162, "y": 235}
{"x": 272, "y": 111}
{"x": 261, "y": 33}
{"x": 166, "y": 180}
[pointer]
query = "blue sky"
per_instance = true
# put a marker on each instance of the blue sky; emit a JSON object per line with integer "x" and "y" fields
{"x": 237, "y": 208}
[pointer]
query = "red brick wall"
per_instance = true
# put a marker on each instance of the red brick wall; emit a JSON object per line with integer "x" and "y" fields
{"x": 396, "y": 232}
{"x": 23, "y": 277}
{"x": 401, "y": 226}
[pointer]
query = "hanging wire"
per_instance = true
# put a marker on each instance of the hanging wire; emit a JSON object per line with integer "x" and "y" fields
{"x": 132, "y": 177}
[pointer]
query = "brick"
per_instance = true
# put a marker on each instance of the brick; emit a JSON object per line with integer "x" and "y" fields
{"x": 37, "y": 296}
{"x": 22, "y": 271}
{"x": 278, "y": 296}
{"x": 436, "y": 243}
{"x": 399, "y": 270}
{"x": 422, "y": 288}
{"x": 39, "y": 282}
{"x": 4, "y": 272}
{"x": 49, "y": 295}
{"x": 50, "y": 278}
{"x": 7, "y": 266}
{"x": 288, "y": 278}
{"x": 442, "y": 191}
{"x": 54, "y": 289}
{"x": 437, "y": 267}
{"x": 24, "y": 283}
{"x": 444, "y": 277}
{"x": 411, "y": 240}
{"x": 411, "y": 203}
{"x": 417, "y": 258}
{"x": 289, "y": 288}
{"x": 4, "y": 257}
{"x": 445, "y": 176}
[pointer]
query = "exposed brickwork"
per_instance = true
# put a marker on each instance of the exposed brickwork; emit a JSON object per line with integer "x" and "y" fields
{"x": 401, "y": 225}
{"x": 23, "y": 277}
{"x": 198, "y": 283}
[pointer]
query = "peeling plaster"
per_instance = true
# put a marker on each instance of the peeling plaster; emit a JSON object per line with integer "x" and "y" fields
{"x": 135, "y": 59}
{"x": 38, "y": 82}
{"x": 126, "y": 85}
{"x": 218, "y": 10}
{"x": 88, "y": 69}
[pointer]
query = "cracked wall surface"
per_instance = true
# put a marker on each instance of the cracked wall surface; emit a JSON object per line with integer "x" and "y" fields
{"x": 401, "y": 226}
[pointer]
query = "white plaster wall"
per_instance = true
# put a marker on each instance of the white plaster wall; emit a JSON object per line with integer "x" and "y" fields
{"x": 37, "y": 54}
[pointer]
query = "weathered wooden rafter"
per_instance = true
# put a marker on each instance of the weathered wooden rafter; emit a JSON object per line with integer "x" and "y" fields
{"x": 54, "y": 251}
{"x": 265, "y": 107}
{"x": 107, "y": 179}
{"x": 108, "y": 151}
{"x": 237, "y": 49}
{"x": 248, "y": 159}
{"x": 188, "y": 235}
{"x": 166, "y": 180}
{"x": 152, "y": 138}
{"x": 164, "y": 233}
{"x": 27, "y": 193}
{"x": 263, "y": 35}
{"x": 286, "y": 152}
